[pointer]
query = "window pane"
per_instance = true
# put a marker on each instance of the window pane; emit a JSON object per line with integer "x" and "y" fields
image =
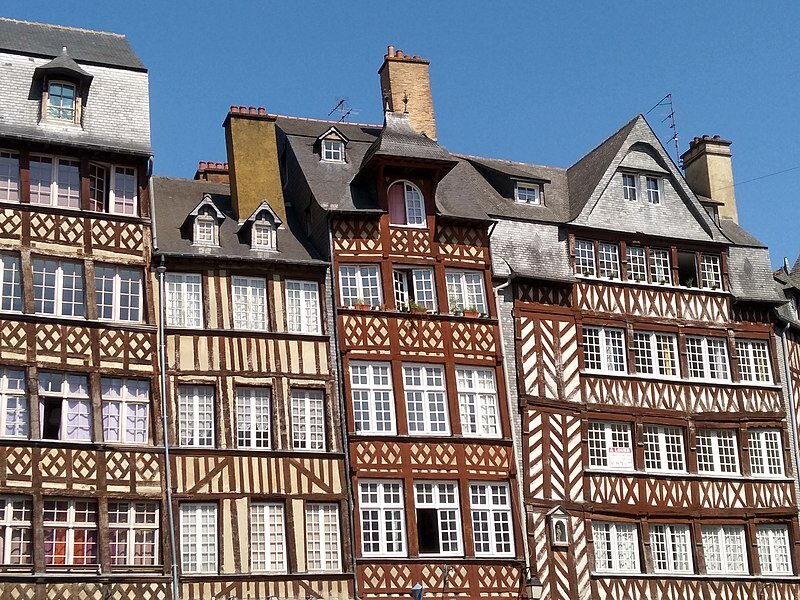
{"x": 196, "y": 415}
{"x": 308, "y": 419}
{"x": 426, "y": 399}
{"x": 9, "y": 176}
{"x": 253, "y": 417}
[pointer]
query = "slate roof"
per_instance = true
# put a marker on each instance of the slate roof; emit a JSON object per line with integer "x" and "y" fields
{"x": 175, "y": 199}
{"x": 83, "y": 45}
{"x": 399, "y": 139}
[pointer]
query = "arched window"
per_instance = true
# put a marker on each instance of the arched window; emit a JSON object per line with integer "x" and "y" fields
{"x": 406, "y": 205}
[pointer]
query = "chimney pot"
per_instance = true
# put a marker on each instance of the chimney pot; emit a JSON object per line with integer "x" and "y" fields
{"x": 218, "y": 165}
{"x": 262, "y": 111}
{"x": 201, "y": 166}
{"x": 243, "y": 109}
{"x": 226, "y": 166}
{"x": 399, "y": 54}
{"x": 234, "y": 108}
{"x": 390, "y": 51}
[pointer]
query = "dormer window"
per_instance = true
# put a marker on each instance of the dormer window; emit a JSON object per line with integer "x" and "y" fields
{"x": 406, "y": 205}
{"x": 653, "y": 189}
{"x": 61, "y": 101}
{"x": 205, "y": 230}
{"x": 630, "y": 187}
{"x": 263, "y": 236}
{"x": 528, "y": 193}
{"x": 261, "y": 228}
{"x": 333, "y": 150}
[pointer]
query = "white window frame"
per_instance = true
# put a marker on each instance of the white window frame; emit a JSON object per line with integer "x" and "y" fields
{"x": 9, "y": 176}
{"x": 358, "y": 274}
{"x": 195, "y": 537}
{"x": 671, "y": 548}
{"x": 414, "y": 285}
{"x": 205, "y": 224}
{"x": 263, "y": 235}
{"x": 119, "y": 275}
{"x": 113, "y": 188}
{"x": 477, "y": 402}
{"x": 660, "y": 264}
{"x": 302, "y": 307}
{"x": 754, "y": 362}
{"x": 16, "y": 517}
{"x": 322, "y": 518}
{"x": 584, "y": 258}
{"x": 267, "y": 538}
{"x": 182, "y": 309}
{"x": 774, "y": 549}
{"x": 616, "y": 537}
{"x": 431, "y": 395}
{"x": 308, "y": 420}
{"x": 71, "y": 525}
{"x": 56, "y": 113}
{"x": 381, "y": 503}
{"x": 766, "y": 452}
{"x": 528, "y": 193}
{"x": 603, "y": 346}
{"x": 630, "y": 192}
{"x": 654, "y": 196}
{"x": 333, "y": 151}
{"x": 140, "y": 517}
{"x": 656, "y": 353}
{"x": 606, "y": 442}
{"x": 715, "y": 541}
{"x": 249, "y": 303}
{"x": 492, "y": 521}
{"x": 714, "y": 445}
{"x": 125, "y": 399}
{"x": 442, "y": 496}
{"x": 253, "y": 416}
{"x": 81, "y": 401}
{"x": 370, "y": 386}
{"x": 60, "y": 303}
{"x": 708, "y": 349}
{"x": 14, "y": 402}
{"x": 664, "y": 449}
{"x": 463, "y": 294}
{"x": 53, "y": 184}
{"x": 636, "y": 263}
{"x": 414, "y": 202}
{"x": 608, "y": 264}
{"x": 709, "y": 272}
{"x": 196, "y": 416}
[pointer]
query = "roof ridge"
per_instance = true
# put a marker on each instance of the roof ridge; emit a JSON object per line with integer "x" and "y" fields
{"x": 506, "y": 160}
{"x": 329, "y": 121}
{"x": 606, "y": 140}
{"x": 67, "y": 27}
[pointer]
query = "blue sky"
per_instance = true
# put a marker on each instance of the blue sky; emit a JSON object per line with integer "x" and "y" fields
{"x": 541, "y": 82}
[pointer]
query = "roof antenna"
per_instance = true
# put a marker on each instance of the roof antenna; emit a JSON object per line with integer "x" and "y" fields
{"x": 343, "y": 109}
{"x": 667, "y": 101}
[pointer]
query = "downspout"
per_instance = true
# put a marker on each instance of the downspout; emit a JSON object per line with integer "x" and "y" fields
{"x": 792, "y": 410}
{"x": 342, "y": 408}
{"x": 515, "y": 441}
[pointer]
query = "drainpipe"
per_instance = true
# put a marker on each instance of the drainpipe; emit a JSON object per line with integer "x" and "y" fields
{"x": 792, "y": 412}
{"x": 512, "y": 410}
{"x": 342, "y": 408}
{"x": 161, "y": 271}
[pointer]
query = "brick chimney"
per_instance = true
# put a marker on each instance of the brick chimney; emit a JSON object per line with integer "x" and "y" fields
{"x": 215, "y": 172}
{"x": 709, "y": 173}
{"x": 406, "y": 87}
{"x": 253, "y": 161}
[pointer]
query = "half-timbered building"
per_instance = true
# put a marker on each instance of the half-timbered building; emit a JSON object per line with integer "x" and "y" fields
{"x": 80, "y": 467}
{"x": 259, "y": 486}
{"x": 658, "y": 458}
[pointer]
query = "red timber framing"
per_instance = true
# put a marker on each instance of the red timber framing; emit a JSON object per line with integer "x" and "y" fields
{"x": 559, "y": 397}
{"x": 395, "y": 335}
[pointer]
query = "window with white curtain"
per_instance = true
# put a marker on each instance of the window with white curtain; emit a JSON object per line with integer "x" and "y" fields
{"x": 14, "y": 413}
{"x": 124, "y": 195}
{"x": 492, "y": 529}
{"x": 724, "y": 549}
{"x": 766, "y": 452}
{"x": 707, "y": 358}
{"x": 604, "y": 350}
{"x": 656, "y": 353}
{"x": 671, "y": 546}
{"x": 717, "y": 451}
{"x": 360, "y": 284}
{"x": 126, "y": 404}
{"x": 664, "y": 449}
{"x": 616, "y": 547}
{"x": 372, "y": 397}
{"x": 249, "y": 303}
{"x": 55, "y": 181}
{"x": 774, "y": 554}
{"x": 58, "y": 288}
{"x": 16, "y": 532}
{"x": 10, "y": 282}
{"x": 267, "y": 538}
{"x": 198, "y": 537}
{"x": 9, "y": 176}
{"x": 253, "y": 410}
{"x": 118, "y": 292}
{"x": 610, "y": 445}
{"x": 302, "y": 307}
{"x": 753, "y": 361}
{"x": 323, "y": 550}
{"x": 426, "y": 399}
{"x": 382, "y": 514}
{"x": 465, "y": 291}
{"x": 196, "y": 415}
{"x": 133, "y": 533}
{"x": 65, "y": 410}
{"x": 184, "y": 300}
{"x": 438, "y": 518}
{"x": 477, "y": 402}
{"x": 308, "y": 419}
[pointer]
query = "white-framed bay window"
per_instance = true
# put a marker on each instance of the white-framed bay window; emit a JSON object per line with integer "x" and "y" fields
{"x": 426, "y": 399}
{"x": 9, "y": 176}
{"x": 302, "y": 307}
{"x": 717, "y": 451}
{"x": 65, "y": 410}
{"x": 184, "y": 300}
{"x": 383, "y": 526}
{"x": 766, "y": 452}
{"x": 249, "y": 303}
{"x": 438, "y": 513}
{"x": 55, "y": 181}
{"x": 707, "y": 358}
{"x": 725, "y": 549}
{"x": 671, "y": 547}
{"x": 360, "y": 284}
{"x": 414, "y": 286}
{"x": 267, "y": 538}
{"x": 372, "y": 396}
{"x": 308, "y": 419}
{"x": 656, "y": 353}
{"x": 253, "y": 411}
{"x": 492, "y": 528}
{"x": 616, "y": 547}
{"x": 323, "y": 545}
{"x": 196, "y": 415}
{"x": 753, "y": 359}
{"x": 477, "y": 402}
{"x": 119, "y": 293}
{"x": 133, "y": 533}
{"x": 198, "y": 522}
{"x": 14, "y": 413}
{"x": 465, "y": 291}
{"x": 58, "y": 288}
{"x": 610, "y": 445}
{"x": 604, "y": 350}
{"x": 774, "y": 550}
{"x": 10, "y": 282}
{"x": 16, "y": 532}
{"x": 664, "y": 449}
{"x": 126, "y": 407}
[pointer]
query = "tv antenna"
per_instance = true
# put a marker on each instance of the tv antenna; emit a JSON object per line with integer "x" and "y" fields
{"x": 666, "y": 101}
{"x": 343, "y": 109}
